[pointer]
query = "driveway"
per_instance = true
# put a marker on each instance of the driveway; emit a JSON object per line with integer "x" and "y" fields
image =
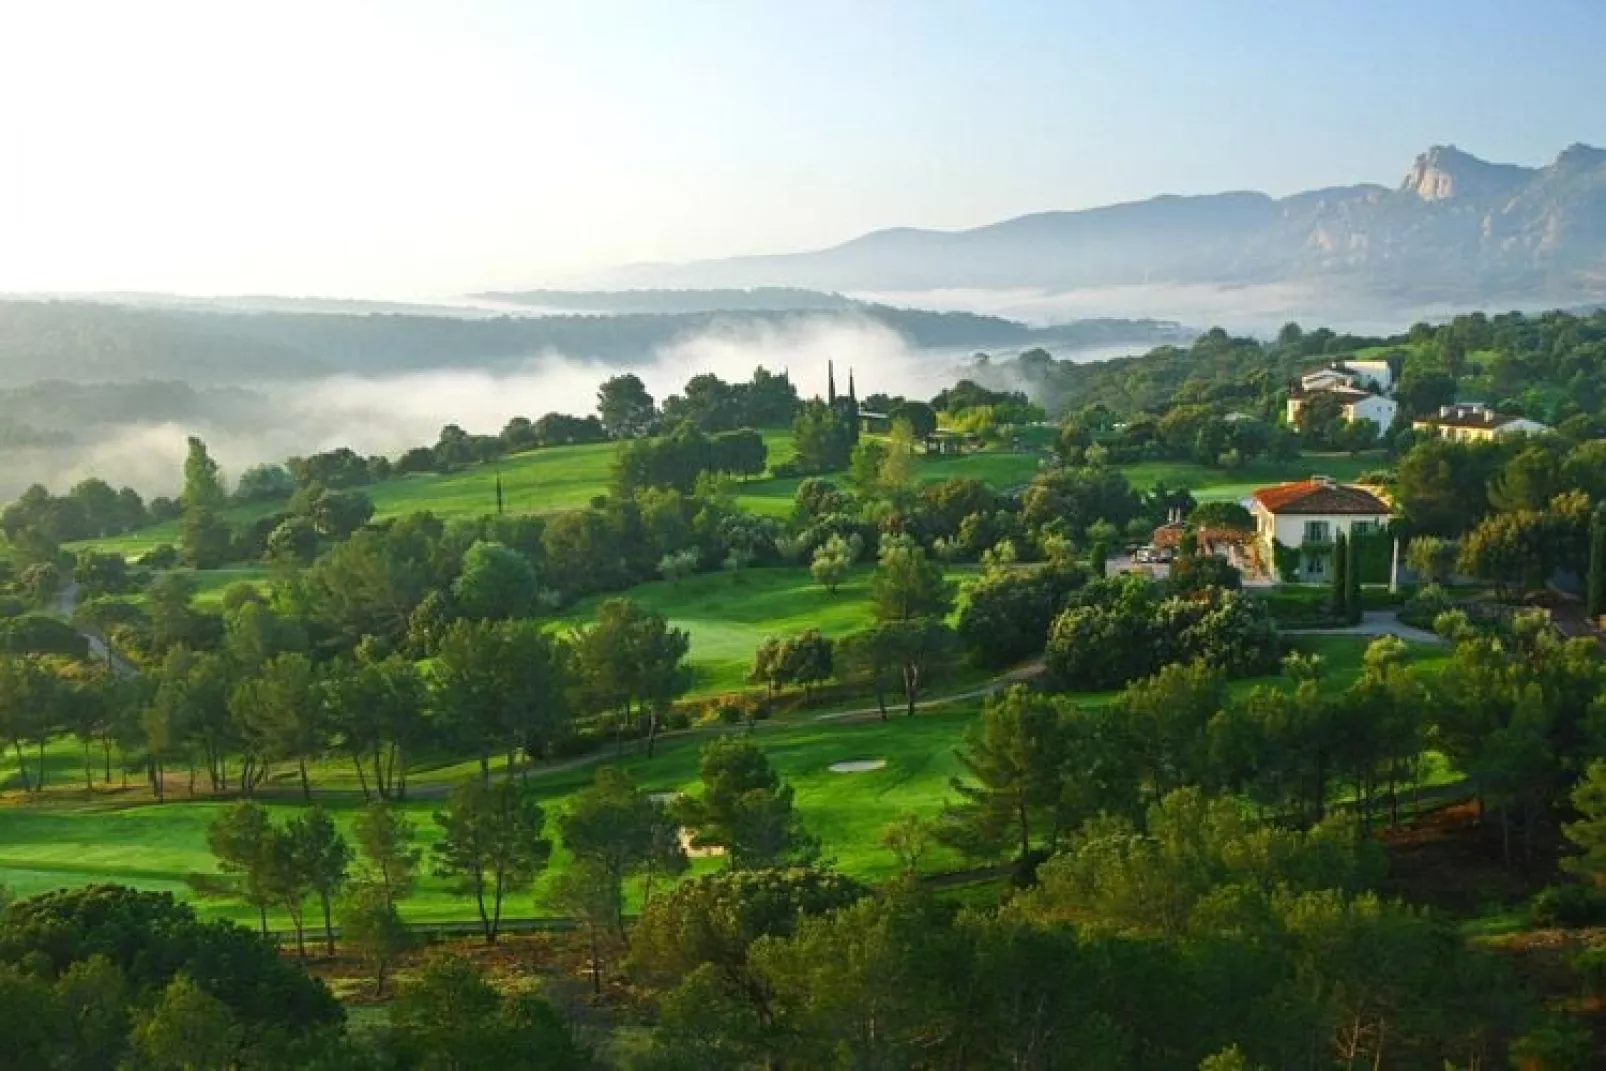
{"x": 1374, "y": 623}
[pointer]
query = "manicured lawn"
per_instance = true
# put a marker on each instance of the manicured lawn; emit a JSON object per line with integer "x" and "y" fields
{"x": 1220, "y": 485}
{"x": 212, "y": 583}
{"x": 730, "y": 616}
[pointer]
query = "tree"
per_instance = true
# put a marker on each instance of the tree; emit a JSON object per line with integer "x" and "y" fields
{"x": 452, "y": 1019}
{"x": 501, "y": 686}
{"x": 746, "y": 809}
{"x": 1354, "y": 607}
{"x": 281, "y": 711}
{"x": 188, "y": 1029}
{"x": 908, "y": 585}
{"x": 242, "y": 840}
{"x": 1013, "y": 759}
{"x": 387, "y": 838}
{"x": 496, "y": 583}
{"x": 918, "y": 649}
{"x": 833, "y": 560}
{"x": 370, "y": 924}
{"x": 1431, "y": 558}
{"x": 1006, "y": 618}
{"x": 321, "y": 856}
{"x": 587, "y": 891}
{"x": 625, "y": 407}
{"x": 1588, "y": 834}
{"x": 632, "y": 662}
{"x": 203, "y": 486}
{"x": 491, "y": 844}
{"x": 1338, "y": 602}
{"x": 205, "y": 541}
{"x": 907, "y": 837}
{"x": 1526, "y": 482}
{"x": 377, "y": 709}
{"x": 822, "y": 439}
{"x": 615, "y": 827}
{"x": 1595, "y": 585}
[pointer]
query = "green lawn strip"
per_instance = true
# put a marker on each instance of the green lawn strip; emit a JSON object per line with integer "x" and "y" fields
{"x": 1218, "y": 485}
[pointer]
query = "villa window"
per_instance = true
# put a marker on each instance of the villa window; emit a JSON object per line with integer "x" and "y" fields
{"x": 1318, "y": 532}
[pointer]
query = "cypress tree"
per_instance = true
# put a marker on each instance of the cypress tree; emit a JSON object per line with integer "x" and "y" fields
{"x": 1340, "y": 559}
{"x": 1595, "y": 594}
{"x": 1354, "y": 608}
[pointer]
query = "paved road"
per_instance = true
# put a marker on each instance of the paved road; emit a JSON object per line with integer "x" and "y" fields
{"x": 66, "y": 603}
{"x": 1374, "y": 623}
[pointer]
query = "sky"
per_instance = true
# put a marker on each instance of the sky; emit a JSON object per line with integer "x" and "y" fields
{"x": 420, "y": 150}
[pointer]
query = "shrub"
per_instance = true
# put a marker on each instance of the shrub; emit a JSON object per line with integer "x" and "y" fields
{"x": 1424, "y": 607}
{"x": 1569, "y": 906}
{"x": 162, "y": 556}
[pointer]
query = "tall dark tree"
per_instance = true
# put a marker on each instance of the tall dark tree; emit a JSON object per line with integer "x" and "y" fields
{"x": 746, "y": 809}
{"x": 491, "y": 845}
{"x": 1339, "y": 599}
{"x": 1595, "y": 595}
{"x": 626, "y": 409}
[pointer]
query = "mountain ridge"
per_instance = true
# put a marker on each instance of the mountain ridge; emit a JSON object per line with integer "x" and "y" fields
{"x": 1455, "y": 224}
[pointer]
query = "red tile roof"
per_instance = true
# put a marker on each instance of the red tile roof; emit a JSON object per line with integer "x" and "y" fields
{"x": 1320, "y": 496}
{"x": 1170, "y": 535}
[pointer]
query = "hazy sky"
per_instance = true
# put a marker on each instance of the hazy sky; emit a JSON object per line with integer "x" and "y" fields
{"x": 412, "y": 149}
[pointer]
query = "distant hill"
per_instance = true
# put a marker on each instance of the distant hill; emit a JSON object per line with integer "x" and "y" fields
{"x": 92, "y": 342}
{"x": 758, "y": 299}
{"x": 1456, "y": 228}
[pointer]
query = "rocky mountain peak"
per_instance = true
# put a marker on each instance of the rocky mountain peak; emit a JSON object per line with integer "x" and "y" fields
{"x": 1444, "y": 171}
{"x": 1580, "y": 155}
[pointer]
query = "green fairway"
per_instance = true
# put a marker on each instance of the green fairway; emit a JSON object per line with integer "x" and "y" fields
{"x": 729, "y": 616}
{"x": 154, "y": 846}
{"x": 128, "y": 838}
{"x": 212, "y": 583}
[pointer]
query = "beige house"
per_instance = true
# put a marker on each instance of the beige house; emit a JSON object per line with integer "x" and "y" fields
{"x": 1475, "y": 422}
{"x": 1308, "y": 516}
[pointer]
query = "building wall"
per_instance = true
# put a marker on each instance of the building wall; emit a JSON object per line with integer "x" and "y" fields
{"x": 1377, "y": 409}
{"x": 1289, "y": 530}
{"x": 1375, "y": 373}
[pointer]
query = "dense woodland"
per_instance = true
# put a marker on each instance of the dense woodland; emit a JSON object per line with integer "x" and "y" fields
{"x": 1195, "y": 864}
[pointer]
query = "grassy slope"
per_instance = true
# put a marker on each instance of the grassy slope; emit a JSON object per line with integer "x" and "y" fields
{"x": 154, "y": 846}
{"x": 729, "y": 616}
{"x": 540, "y": 481}
{"x": 1213, "y": 485}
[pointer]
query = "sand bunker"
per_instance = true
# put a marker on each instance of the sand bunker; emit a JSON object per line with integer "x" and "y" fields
{"x": 858, "y": 766}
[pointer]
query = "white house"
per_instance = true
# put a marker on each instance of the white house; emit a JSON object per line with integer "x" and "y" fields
{"x": 1356, "y": 405}
{"x": 1308, "y": 516}
{"x": 1476, "y": 422}
{"x": 1363, "y": 374}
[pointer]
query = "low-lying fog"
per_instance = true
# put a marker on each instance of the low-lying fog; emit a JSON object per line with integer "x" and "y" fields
{"x": 386, "y": 415}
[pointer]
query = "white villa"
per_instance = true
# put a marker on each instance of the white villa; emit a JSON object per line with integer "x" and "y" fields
{"x": 1362, "y": 388}
{"x": 1307, "y": 516}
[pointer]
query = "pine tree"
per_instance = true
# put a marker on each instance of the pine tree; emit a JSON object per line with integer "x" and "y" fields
{"x": 1353, "y": 606}
{"x": 1340, "y": 599}
{"x": 1596, "y": 592}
